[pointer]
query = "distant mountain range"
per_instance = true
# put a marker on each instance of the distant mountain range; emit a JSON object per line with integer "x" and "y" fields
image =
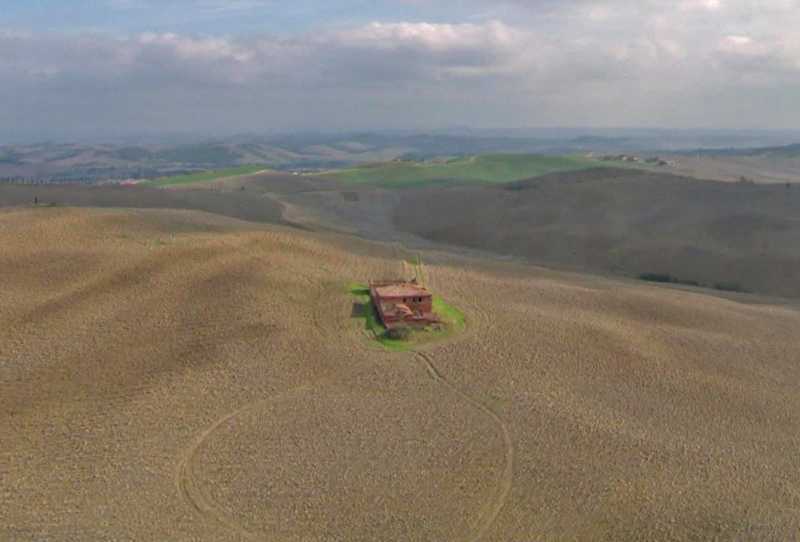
{"x": 91, "y": 163}
{"x": 783, "y": 151}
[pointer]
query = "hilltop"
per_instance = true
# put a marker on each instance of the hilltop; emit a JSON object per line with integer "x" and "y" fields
{"x": 198, "y": 377}
{"x": 732, "y": 236}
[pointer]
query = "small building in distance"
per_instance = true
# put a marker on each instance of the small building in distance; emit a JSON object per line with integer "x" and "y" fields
{"x": 402, "y": 303}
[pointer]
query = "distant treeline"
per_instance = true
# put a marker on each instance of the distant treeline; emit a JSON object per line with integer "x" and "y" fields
{"x": 47, "y": 180}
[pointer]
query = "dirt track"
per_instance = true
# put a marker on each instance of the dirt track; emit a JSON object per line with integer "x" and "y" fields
{"x": 176, "y": 375}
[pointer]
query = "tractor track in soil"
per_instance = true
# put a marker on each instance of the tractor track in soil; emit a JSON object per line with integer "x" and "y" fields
{"x": 493, "y": 508}
{"x": 478, "y": 321}
{"x": 207, "y": 509}
{"x": 186, "y": 482}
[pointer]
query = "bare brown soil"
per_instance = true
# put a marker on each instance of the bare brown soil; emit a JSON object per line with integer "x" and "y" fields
{"x": 173, "y": 375}
{"x": 241, "y": 205}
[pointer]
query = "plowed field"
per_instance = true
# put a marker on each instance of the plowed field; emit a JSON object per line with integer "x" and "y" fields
{"x": 174, "y": 375}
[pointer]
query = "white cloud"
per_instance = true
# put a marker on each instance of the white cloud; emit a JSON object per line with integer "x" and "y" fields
{"x": 707, "y": 5}
{"x": 571, "y": 62}
{"x": 435, "y": 37}
{"x": 739, "y": 40}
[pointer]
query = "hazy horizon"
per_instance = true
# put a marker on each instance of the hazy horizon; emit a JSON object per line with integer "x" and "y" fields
{"x": 658, "y": 139}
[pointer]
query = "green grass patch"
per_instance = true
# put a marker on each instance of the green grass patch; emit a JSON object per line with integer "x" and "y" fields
{"x": 206, "y": 176}
{"x": 453, "y": 321}
{"x": 451, "y": 315}
{"x": 490, "y": 168}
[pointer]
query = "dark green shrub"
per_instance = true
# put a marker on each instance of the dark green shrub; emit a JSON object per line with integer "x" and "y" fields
{"x": 664, "y": 277}
{"x": 730, "y": 287}
{"x": 657, "y": 277}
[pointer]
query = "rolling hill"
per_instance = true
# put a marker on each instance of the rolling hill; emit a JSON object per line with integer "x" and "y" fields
{"x": 93, "y": 163}
{"x": 733, "y": 154}
{"x": 628, "y": 222}
{"x": 175, "y": 375}
{"x": 731, "y": 236}
{"x": 625, "y": 222}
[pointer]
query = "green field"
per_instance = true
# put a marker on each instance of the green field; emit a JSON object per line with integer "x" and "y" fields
{"x": 206, "y": 176}
{"x": 490, "y": 168}
{"x": 453, "y": 321}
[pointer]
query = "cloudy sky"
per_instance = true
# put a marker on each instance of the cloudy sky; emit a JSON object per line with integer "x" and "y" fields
{"x": 113, "y": 67}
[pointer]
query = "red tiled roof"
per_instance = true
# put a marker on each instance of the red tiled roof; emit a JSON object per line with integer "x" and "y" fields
{"x": 402, "y": 290}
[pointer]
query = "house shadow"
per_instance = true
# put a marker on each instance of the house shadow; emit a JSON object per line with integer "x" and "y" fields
{"x": 360, "y": 310}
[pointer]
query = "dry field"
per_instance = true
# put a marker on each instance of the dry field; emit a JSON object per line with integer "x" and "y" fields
{"x": 174, "y": 375}
{"x": 760, "y": 169}
{"x": 233, "y": 204}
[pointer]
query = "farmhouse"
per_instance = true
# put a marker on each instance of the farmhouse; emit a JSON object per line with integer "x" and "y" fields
{"x": 402, "y": 303}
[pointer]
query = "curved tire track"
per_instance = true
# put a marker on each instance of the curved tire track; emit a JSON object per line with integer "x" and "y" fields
{"x": 185, "y": 480}
{"x": 493, "y": 508}
{"x": 191, "y": 493}
{"x": 207, "y": 509}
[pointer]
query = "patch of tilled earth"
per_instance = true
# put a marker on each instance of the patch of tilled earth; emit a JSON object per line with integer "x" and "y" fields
{"x": 637, "y": 413}
{"x": 232, "y": 204}
{"x": 112, "y": 364}
{"x": 162, "y": 324}
{"x": 184, "y": 376}
{"x": 385, "y": 455}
